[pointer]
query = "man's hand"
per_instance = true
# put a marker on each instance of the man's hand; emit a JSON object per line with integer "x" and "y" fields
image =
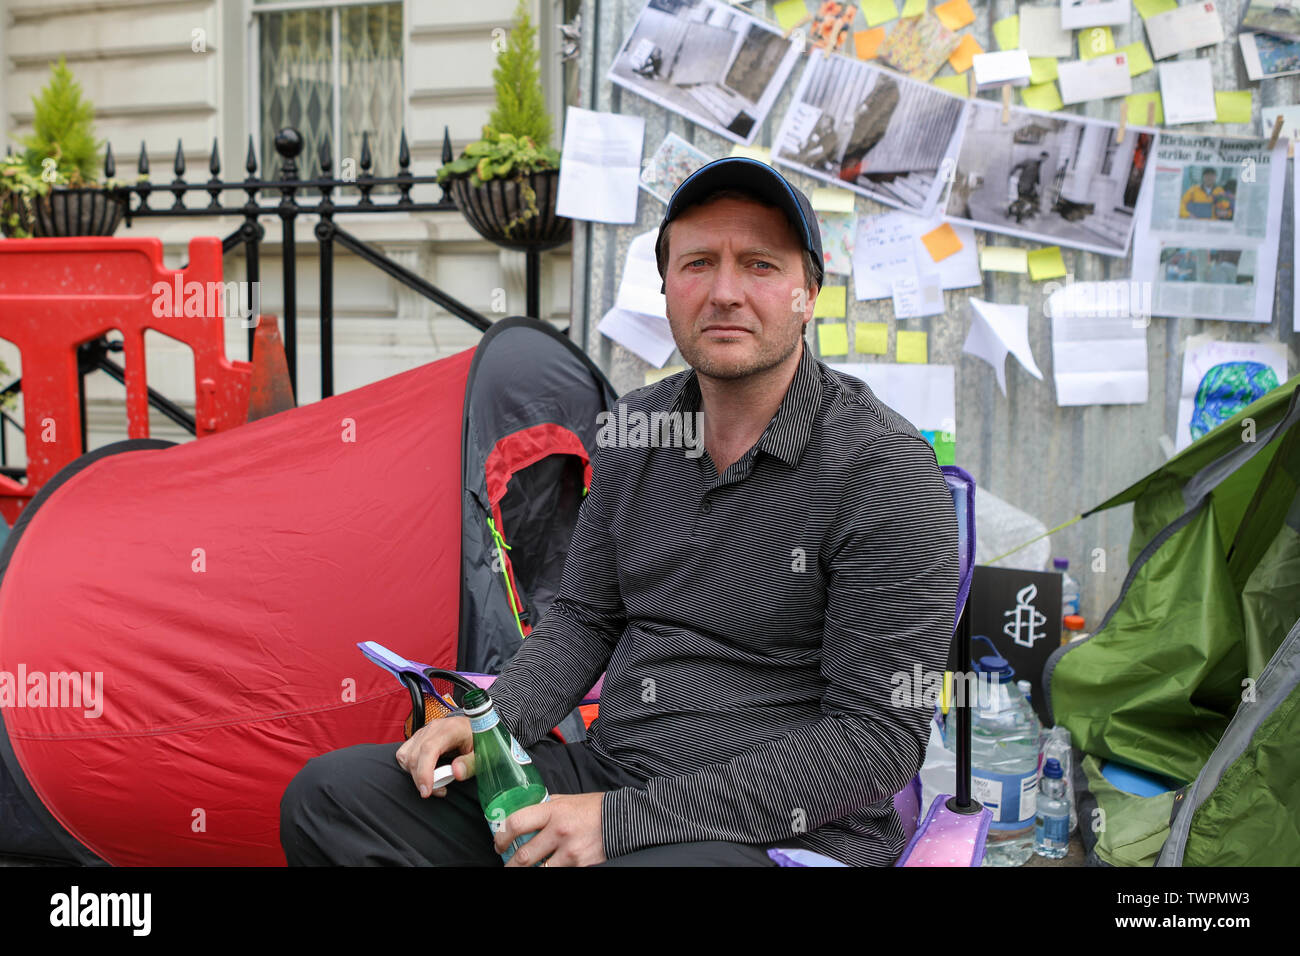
{"x": 419, "y": 755}
{"x": 569, "y": 832}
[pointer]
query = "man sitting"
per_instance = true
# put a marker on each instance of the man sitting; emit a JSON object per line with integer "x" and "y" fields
{"x": 748, "y": 605}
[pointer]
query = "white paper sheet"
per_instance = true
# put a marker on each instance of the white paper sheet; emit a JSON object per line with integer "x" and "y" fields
{"x": 997, "y": 329}
{"x": 644, "y": 335}
{"x": 889, "y": 246}
{"x": 1221, "y": 378}
{"x": 926, "y": 395}
{"x": 600, "y": 166}
{"x": 1096, "y": 79}
{"x": 1080, "y": 14}
{"x": 638, "y": 289}
{"x": 1041, "y": 33}
{"x": 1099, "y": 344}
{"x": 918, "y": 295}
{"x": 1188, "y": 27}
{"x": 1000, "y": 67}
{"x": 1187, "y": 91}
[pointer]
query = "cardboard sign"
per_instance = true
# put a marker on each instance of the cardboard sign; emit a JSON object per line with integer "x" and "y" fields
{"x": 1020, "y": 612}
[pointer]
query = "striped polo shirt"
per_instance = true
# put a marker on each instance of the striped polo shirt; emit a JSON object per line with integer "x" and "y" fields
{"x": 749, "y": 623}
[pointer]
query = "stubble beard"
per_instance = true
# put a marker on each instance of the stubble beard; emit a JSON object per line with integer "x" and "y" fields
{"x": 771, "y": 353}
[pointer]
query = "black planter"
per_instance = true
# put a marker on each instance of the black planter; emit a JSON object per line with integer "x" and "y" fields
{"x": 77, "y": 212}
{"x": 9, "y": 204}
{"x": 494, "y": 204}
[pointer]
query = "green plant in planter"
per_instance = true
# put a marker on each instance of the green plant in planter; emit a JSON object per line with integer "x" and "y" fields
{"x": 61, "y": 150}
{"x": 516, "y": 140}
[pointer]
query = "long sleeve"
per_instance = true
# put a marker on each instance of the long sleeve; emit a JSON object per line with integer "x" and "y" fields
{"x": 892, "y": 583}
{"x": 569, "y": 648}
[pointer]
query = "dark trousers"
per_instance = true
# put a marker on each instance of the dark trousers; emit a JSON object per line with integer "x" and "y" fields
{"x": 357, "y": 807}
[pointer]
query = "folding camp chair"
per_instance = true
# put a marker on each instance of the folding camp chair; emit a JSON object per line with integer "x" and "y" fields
{"x": 955, "y": 828}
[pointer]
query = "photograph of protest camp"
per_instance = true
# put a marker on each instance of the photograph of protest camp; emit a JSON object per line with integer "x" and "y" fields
{"x": 714, "y": 64}
{"x": 1217, "y": 266}
{"x": 1268, "y": 56}
{"x": 1209, "y": 192}
{"x": 1278, "y": 17}
{"x": 880, "y": 134}
{"x": 1054, "y": 179}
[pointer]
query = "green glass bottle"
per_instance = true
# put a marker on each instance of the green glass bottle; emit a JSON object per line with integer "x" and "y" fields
{"x": 507, "y": 779}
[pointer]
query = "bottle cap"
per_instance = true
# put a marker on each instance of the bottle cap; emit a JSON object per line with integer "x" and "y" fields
{"x": 1061, "y": 564}
{"x": 477, "y": 702}
{"x": 1052, "y": 768}
{"x": 1074, "y": 622}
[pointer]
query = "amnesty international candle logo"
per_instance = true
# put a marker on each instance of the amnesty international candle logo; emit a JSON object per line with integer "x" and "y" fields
{"x": 1023, "y": 628}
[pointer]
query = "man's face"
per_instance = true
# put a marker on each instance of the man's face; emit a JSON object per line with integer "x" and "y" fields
{"x": 1207, "y": 179}
{"x": 737, "y": 303}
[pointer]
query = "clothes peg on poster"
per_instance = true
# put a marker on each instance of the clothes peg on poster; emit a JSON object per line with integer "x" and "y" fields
{"x": 1277, "y": 131}
{"x": 1123, "y": 122}
{"x": 1006, "y": 105}
{"x": 1151, "y": 114}
{"x": 974, "y": 88}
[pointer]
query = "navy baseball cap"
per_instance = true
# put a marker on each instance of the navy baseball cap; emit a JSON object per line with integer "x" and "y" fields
{"x": 752, "y": 176}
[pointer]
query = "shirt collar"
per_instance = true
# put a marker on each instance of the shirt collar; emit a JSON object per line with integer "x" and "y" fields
{"x": 787, "y": 434}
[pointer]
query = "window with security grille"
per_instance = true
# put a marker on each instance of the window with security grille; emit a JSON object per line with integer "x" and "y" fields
{"x": 333, "y": 72}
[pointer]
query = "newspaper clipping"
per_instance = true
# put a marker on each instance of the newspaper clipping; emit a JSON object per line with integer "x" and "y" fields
{"x": 715, "y": 65}
{"x": 1210, "y": 223}
{"x": 881, "y": 134}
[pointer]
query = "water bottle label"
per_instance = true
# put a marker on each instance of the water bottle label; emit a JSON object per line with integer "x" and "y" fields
{"x": 518, "y": 752}
{"x": 1054, "y": 830}
{"x": 484, "y": 721}
{"x": 1011, "y": 797}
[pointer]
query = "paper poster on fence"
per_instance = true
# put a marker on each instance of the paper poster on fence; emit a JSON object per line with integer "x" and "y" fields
{"x": 711, "y": 62}
{"x": 889, "y": 138}
{"x": 1062, "y": 180}
{"x": 1208, "y": 227}
{"x": 1222, "y": 378}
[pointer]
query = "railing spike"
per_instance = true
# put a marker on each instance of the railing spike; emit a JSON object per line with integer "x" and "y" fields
{"x": 250, "y": 164}
{"x": 447, "y": 155}
{"x": 178, "y": 164}
{"x": 110, "y": 165}
{"x": 142, "y": 164}
{"x": 403, "y": 154}
{"x": 214, "y": 161}
{"x": 326, "y": 157}
{"x": 365, "y": 152}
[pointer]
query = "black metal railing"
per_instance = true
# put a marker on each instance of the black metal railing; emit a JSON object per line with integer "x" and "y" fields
{"x": 288, "y": 197}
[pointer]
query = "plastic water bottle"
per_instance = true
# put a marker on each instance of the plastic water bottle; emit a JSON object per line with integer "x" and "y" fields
{"x": 1004, "y": 762}
{"x": 1052, "y": 823}
{"x": 1070, "y": 593}
{"x": 1058, "y": 746}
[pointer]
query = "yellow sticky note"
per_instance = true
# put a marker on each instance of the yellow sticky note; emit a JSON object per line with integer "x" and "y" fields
{"x": 955, "y": 14}
{"x": 913, "y": 8}
{"x": 1232, "y": 106}
{"x": 1139, "y": 60}
{"x": 833, "y": 339}
{"x": 957, "y": 85}
{"x": 1149, "y": 8}
{"x": 761, "y": 153}
{"x": 879, "y": 11}
{"x": 867, "y": 42}
{"x": 1137, "y": 109}
{"x": 1042, "y": 69}
{"x": 789, "y": 13}
{"x": 1007, "y": 32}
{"x": 871, "y": 338}
{"x": 1041, "y": 96}
{"x": 942, "y": 242}
{"x": 966, "y": 50}
{"x": 830, "y": 303}
{"x": 911, "y": 347}
{"x": 1095, "y": 41}
{"x": 1046, "y": 264}
{"x": 830, "y": 199}
{"x": 653, "y": 375}
{"x": 1004, "y": 259}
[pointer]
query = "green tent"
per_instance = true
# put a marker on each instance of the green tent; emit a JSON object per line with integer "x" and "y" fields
{"x": 1194, "y": 673}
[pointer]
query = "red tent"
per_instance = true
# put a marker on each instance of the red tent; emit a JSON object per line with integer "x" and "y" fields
{"x": 178, "y": 624}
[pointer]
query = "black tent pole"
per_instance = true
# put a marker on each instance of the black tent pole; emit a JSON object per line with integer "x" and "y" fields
{"x": 961, "y": 801}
